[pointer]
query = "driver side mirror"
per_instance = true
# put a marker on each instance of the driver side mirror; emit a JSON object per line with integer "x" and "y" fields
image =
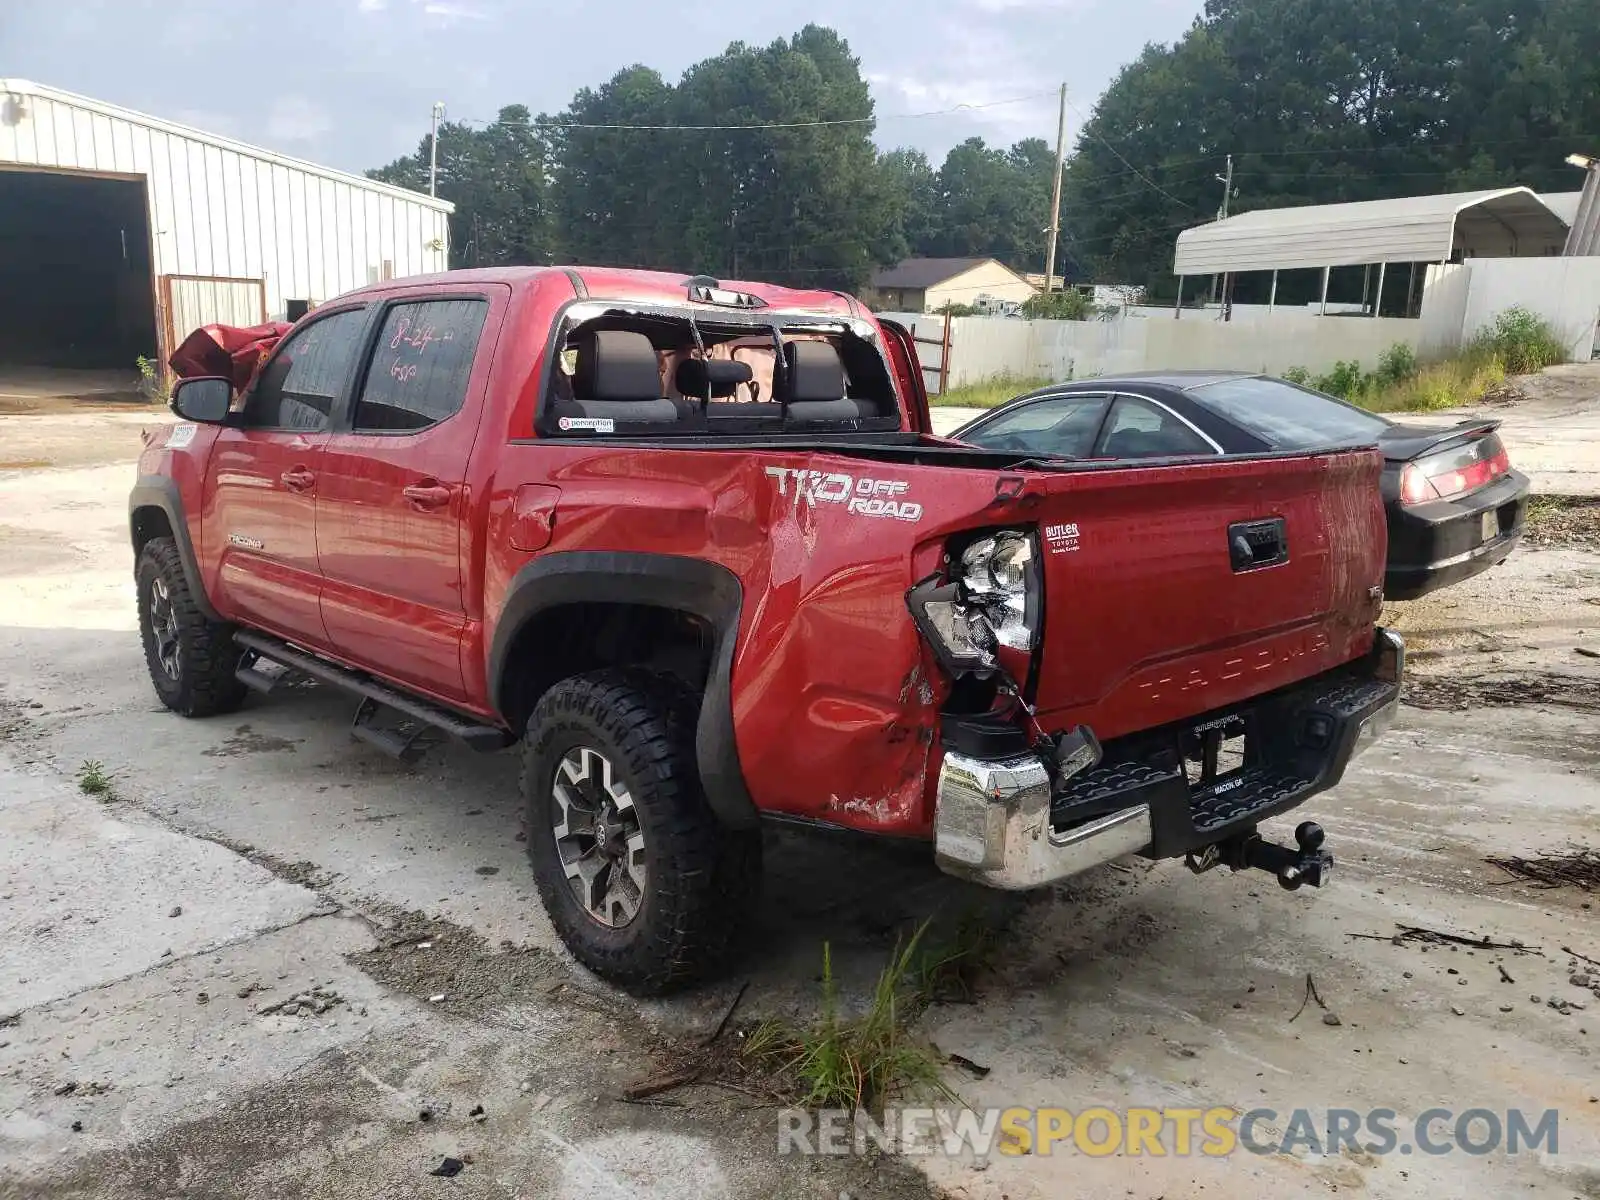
{"x": 206, "y": 400}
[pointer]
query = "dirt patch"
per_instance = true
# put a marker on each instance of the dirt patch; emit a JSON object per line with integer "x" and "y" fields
{"x": 351, "y": 1124}
{"x": 1567, "y": 383}
{"x": 1457, "y": 693}
{"x": 304, "y": 873}
{"x": 245, "y": 740}
{"x": 455, "y": 970}
{"x": 34, "y": 406}
{"x": 1503, "y": 394}
{"x": 1563, "y": 522}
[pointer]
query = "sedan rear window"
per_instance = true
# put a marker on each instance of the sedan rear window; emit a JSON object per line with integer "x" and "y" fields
{"x": 1286, "y": 416}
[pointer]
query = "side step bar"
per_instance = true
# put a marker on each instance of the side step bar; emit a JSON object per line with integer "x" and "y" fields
{"x": 458, "y": 725}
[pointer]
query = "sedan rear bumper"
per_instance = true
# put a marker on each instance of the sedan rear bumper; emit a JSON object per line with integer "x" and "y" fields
{"x": 1433, "y": 545}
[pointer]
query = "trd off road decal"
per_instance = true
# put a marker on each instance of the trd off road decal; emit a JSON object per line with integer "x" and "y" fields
{"x": 863, "y": 497}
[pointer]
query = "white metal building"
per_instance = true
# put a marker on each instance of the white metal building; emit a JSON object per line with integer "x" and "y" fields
{"x": 1509, "y": 222}
{"x": 121, "y": 232}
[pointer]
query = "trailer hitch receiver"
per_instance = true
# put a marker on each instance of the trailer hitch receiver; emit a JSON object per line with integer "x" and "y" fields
{"x": 1308, "y": 863}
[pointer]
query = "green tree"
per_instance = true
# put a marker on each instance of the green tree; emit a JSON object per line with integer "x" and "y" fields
{"x": 912, "y": 186}
{"x": 801, "y": 200}
{"x": 613, "y": 189}
{"x": 994, "y": 203}
{"x": 1320, "y": 103}
{"x": 803, "y": 205}
{"x": 497, "y": 179}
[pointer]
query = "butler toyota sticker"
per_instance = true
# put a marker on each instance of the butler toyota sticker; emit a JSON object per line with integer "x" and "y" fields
{"x": 1062, "y": 539}
{"x": 861, "y": 496}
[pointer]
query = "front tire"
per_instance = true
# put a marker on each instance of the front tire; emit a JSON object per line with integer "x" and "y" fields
{"x": 643, "y": 884}
{"x": 191, "y": 658}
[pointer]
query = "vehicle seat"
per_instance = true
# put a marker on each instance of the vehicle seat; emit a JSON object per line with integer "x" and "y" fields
{"x": 813, "y": 387}
{"x": 1133, "y": 443}
{"x": 617, "y": 377}
{"x": 695, "y": 378}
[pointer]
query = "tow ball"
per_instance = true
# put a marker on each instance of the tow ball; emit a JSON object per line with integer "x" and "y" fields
{"x": 1308, "y": 863}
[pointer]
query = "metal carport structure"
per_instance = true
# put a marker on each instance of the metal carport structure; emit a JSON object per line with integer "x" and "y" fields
{"x": 1501, "y": 223}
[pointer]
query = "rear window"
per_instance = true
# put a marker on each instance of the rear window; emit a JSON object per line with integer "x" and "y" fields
{"x": 1286, "y": 416}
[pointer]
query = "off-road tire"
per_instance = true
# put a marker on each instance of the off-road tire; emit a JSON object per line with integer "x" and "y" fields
{"x": 206, "y": 655}
{"x": 701, "y": 878}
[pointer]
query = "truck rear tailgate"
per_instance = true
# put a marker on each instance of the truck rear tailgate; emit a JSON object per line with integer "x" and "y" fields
{"x": 1176, "y": 589}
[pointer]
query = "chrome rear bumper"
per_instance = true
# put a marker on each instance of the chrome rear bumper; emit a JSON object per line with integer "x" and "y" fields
{"x": 993, "y": 821}
{"x": 993, "y": 826}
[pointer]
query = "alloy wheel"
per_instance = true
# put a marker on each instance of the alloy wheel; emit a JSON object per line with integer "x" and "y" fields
{"x": 164, "y": 626}
{"x": 598, "y": 837}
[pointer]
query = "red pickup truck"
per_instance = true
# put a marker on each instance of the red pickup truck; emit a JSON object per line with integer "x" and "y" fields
{"x": 695, "y": 546}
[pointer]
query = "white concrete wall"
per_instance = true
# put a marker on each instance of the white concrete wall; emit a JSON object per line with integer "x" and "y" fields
{"x": 1458, "y": 301}
{"x": 1444, "y": 308}
{"x": 219, "y": 207}
{"x": 983, "y": 348}
{"x": 1565, "y": 291}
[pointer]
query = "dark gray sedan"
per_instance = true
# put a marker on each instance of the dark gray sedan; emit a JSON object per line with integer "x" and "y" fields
{"x": 1455, "y": 506}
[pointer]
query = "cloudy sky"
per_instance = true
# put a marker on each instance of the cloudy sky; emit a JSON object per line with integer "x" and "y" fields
{"x": 350, "y": 82}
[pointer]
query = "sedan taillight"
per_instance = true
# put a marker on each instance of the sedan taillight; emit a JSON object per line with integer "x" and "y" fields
{"x": 1454, "y": 472}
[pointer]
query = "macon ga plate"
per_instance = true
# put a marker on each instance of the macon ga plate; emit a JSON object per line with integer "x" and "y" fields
{"x": 1491, "y": 525}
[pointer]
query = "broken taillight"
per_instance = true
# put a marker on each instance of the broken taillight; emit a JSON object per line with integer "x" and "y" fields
{"x": 1454, "y": 472}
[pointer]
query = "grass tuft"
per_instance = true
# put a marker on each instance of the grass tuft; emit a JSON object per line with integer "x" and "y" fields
{"x": 93, "y": 780}
{"x": 865, "y": 1061}
{"x": 989, "y": 394}
{"x": 1518, "y": 343}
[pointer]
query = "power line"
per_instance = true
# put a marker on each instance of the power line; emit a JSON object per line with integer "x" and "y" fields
{"x": 1095, "y": 134}
{"x": 548, "y": 123}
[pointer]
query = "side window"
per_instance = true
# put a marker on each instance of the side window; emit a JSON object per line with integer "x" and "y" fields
{"x": 298, "y": 387}
{"x": 1140, "y": 429}
{"x": 1065, "y": 426}
{"x": 420, "y": 368}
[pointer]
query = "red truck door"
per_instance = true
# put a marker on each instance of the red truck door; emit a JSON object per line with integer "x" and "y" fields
{"x": 263, "y": 476}
{"x": 393, "y": 494}
{"x": 902, "y": 351}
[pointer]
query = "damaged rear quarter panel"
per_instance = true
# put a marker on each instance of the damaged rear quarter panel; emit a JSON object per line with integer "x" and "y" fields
{"x": 835, "y": 695}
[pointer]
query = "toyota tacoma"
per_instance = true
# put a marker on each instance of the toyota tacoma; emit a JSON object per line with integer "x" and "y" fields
{"x": 694, "y": 545}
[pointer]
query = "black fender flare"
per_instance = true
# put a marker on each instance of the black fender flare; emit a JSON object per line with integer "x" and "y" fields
{"x": 158, "y": 491}
{"x": 702, "y": 589}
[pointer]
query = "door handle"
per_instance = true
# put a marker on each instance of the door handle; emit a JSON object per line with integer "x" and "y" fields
{"x": 298, "y": 480}
{"x": 429, "y": 494}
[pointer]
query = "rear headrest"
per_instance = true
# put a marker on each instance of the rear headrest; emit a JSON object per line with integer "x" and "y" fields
{"x": 616, "y": 364}
{"x": 812, "y": 371}
{"x": 717, "y": 377}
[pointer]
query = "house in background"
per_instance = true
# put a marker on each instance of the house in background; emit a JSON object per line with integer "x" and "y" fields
{"x": 929, "y": 284}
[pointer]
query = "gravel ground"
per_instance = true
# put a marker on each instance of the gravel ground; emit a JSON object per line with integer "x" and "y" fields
{"x": 309, "y": 873}
{"x": 1563, "y": 522}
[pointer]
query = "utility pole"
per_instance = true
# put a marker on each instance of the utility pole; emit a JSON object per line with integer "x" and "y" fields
{"x": 1055, "y": 203}
{"x": 433, "y": 149}
{"x": 1222, "y": 215}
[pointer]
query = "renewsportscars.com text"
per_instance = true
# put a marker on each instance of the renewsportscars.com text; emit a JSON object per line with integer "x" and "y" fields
{"x": 1163, "y": 1132}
